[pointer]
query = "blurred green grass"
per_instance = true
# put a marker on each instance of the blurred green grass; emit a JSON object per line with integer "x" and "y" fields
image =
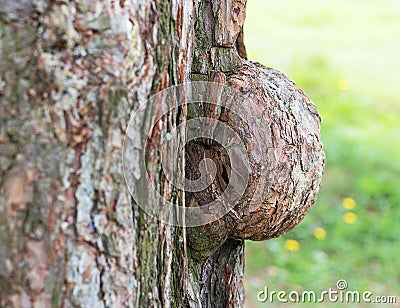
{"x": 345, "y": 55}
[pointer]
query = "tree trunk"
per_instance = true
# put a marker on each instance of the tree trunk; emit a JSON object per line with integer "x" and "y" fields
{"x": 72, "y": 74}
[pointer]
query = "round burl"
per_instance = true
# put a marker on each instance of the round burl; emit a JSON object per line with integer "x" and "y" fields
{"x": 280, "y": 127}
{"x": 290, "y": 134}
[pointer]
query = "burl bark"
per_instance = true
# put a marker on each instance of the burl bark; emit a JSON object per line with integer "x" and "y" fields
{"x": 281, "y": 129}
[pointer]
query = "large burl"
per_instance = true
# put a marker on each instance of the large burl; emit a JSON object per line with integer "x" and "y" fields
{"x": 278, "y": 124}
{"x": 280, "y": 127}
{"x": 290, "y": 131}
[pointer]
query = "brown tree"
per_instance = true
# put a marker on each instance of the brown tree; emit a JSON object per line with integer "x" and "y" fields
{"x": 72, "y": 73}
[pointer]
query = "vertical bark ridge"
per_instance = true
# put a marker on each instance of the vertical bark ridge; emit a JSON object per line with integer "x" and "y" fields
{"x": 216, "y": 53}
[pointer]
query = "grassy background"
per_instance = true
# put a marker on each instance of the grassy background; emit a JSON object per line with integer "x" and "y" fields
{"x": 345, "y": 55}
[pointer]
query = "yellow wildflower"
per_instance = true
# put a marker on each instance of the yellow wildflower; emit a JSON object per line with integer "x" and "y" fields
{"x": 349, "y": 203}
{"x": 292, "y": 245}
{"x": 343, "y": 84}
{"x": 319, "y": 233}
{"x": 350, "y": 218}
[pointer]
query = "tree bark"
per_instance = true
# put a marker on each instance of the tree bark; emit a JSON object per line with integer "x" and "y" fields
{"x": 72, "y": 74}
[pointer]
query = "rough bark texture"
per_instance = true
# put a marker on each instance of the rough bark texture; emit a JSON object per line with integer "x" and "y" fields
{"x": 295, "y": 159}
{"x": 281, "y": 130}
{"x": 71, "y": 76}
